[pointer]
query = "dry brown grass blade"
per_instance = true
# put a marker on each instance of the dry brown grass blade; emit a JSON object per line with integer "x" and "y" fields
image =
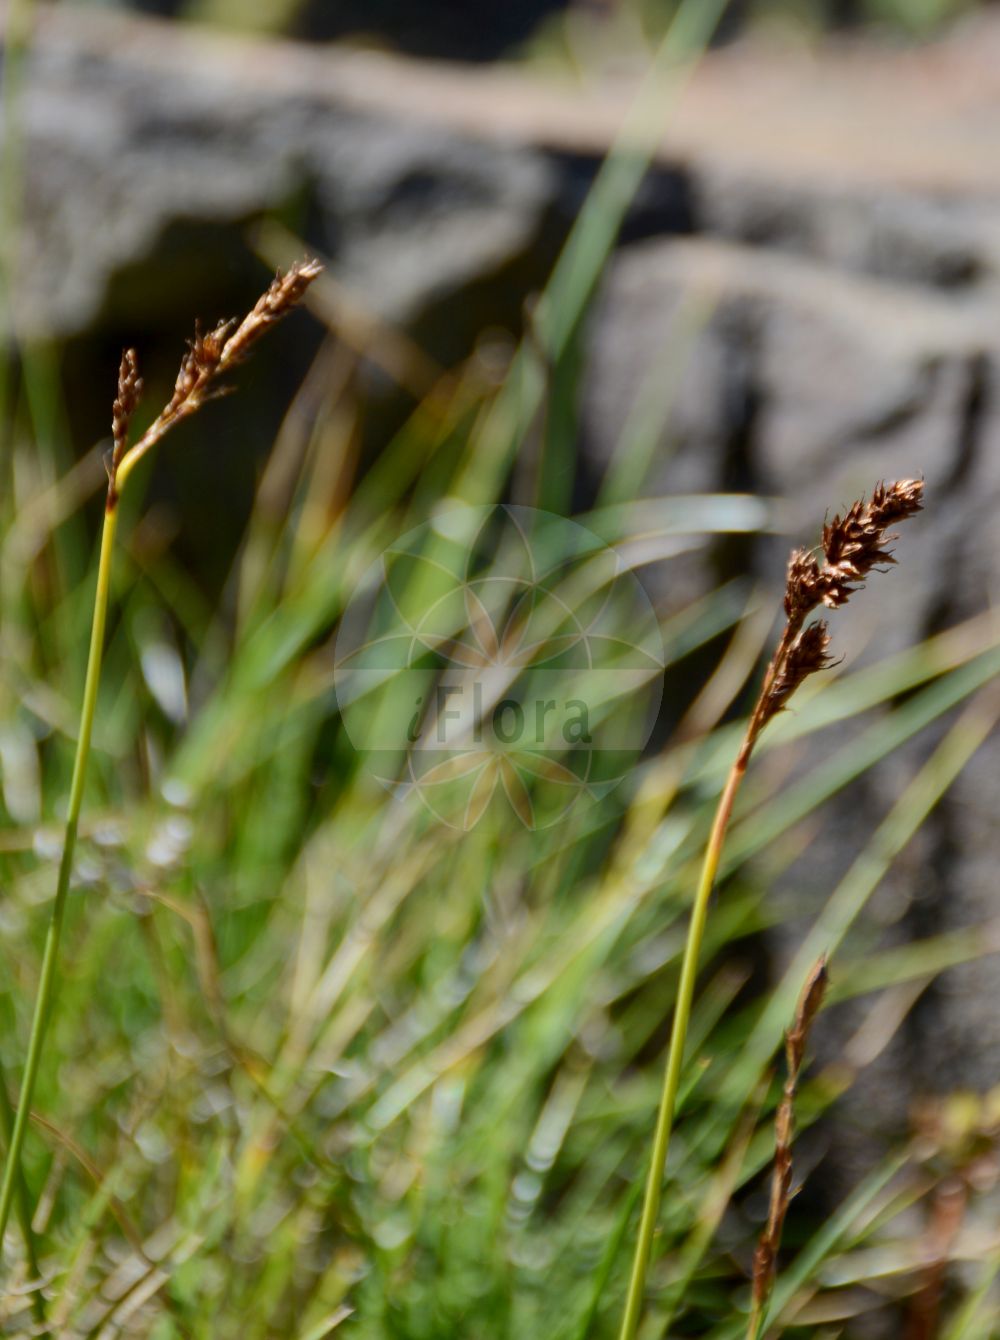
{"x": 766, "y": 1255}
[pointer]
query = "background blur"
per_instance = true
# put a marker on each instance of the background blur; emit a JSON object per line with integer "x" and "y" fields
{"x": 317, "y": 1063}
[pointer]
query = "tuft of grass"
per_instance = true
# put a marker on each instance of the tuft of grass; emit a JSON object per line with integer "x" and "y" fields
{"x": 317, "y": 1061}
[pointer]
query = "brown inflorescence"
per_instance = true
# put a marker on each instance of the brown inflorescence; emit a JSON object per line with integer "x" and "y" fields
{"x": 207, "y": 357}
{"x": 198, "y": 366}
{"x": 853, "y": 545}
{"x": 126, "y": 402}
{"x": 807, "y": 654}
{"x": 804, "y": 584}
{"x": 284, "y": 293}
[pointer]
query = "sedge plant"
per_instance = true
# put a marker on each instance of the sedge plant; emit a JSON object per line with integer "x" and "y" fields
{"x": 208, "y": 358}
{"x": 851, "y": 547}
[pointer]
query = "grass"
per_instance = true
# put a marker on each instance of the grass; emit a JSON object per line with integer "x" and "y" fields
{"x": 318, "y": 1065}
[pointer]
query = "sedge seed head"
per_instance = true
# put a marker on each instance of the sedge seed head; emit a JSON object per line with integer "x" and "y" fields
{"x": 207, "y": 356}
{"x": 284, "y": 292}
{"x": 807, "y": 654}
{"x": 854, "y": 544}
{"x": 804, "y": 584}
{"x": 126, "y": 401}
{"x": 810, "y": 1003}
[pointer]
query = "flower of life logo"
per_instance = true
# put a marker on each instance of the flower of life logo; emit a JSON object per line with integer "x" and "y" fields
{"x": 499, "y": 656}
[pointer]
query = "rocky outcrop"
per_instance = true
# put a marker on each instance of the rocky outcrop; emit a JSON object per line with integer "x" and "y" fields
{"x": 138, "y": 138}
{"x": 137, "y": 159}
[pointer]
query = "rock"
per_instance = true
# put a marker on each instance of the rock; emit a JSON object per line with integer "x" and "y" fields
{"x": 119, "y": 151}
{"x": 416, "y": 177}
{"x": 844, "y": 380}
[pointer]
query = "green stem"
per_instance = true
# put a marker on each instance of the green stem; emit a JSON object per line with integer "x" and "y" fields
{"x": 50, "y": 957}
{"x": 675, "y": 1058}
{"x": 685, "y": 990}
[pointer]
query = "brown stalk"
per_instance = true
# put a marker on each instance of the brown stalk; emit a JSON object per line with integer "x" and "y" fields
{"x": 766, "y": 1256}
{"x": 948, "y": 1209}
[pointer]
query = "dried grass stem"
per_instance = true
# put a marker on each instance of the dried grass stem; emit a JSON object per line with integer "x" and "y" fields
{"x": 766, "y": 1256}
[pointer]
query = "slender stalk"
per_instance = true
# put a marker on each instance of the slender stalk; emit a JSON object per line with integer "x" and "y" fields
{"x": 46, "y": 984}
{"x": 851, "y": 550}
{"x": 685, "y": 990}
{"x": 678, "y": 1036}
{"x": 766, "y": 1256}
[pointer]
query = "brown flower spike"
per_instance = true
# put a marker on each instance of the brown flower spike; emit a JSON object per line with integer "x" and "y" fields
{"x": 126, "y": 402}
{"x": 806, "y": 655}
{"x": 207, "y": 358}
{"x": 852, "y": 547}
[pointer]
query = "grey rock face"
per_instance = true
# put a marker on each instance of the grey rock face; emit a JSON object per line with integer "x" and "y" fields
{"x": 117, "y": 151}
{"x": 839, "y": 381}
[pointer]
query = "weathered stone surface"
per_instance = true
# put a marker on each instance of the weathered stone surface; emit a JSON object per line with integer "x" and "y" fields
{"x": 417, "y": 176}
{"x": 823, "y": 381}
{"x": 119, "y": 149}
